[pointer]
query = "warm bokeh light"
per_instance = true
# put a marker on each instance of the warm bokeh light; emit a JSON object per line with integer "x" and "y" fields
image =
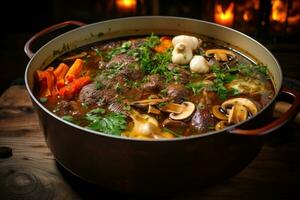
{"x": 126, "y": 5}
{"x": 224, "y": 17}
{"x": 247, "y": 16}
{"x": 279, "y": 11}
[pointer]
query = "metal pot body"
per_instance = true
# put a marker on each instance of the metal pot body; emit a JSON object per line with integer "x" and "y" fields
{"x": 145, "y": 166}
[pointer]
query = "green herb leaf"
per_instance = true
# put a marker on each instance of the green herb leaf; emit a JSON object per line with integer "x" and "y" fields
{"x": 196, "y": 87}
{"x": 96, "y": 111}
{"x": 43, "y": 99}
{"x": 98, "y": 85}
{"x": 172, "y": 132}
{"x": 113, "y": 123}
{"x": 119, "y": 50}
{"x": 68, "y": 118}
{"x": 161, "y": 104}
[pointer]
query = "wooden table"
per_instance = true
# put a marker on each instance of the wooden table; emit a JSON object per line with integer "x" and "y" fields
{"x": 32, "y": 173}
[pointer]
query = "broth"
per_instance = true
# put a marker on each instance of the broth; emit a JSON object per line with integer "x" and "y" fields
{"x": 154, "y": 86}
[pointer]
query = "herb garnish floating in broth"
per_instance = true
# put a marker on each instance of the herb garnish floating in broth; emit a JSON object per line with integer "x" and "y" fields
{"x": 154, "y": 87}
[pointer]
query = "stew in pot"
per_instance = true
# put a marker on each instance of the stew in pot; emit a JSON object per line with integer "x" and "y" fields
{"x": 155, "y": 86}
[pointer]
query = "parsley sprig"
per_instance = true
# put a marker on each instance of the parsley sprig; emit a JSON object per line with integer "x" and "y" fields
{"x": 111, "y": 123}
{"x": 227, "y": 74}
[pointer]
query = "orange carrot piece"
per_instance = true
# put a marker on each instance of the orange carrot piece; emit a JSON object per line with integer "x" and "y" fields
{"x": 72, "y": 88}
{"x": 165, "y": 43}
{"x": 47, "y": 82}
{"x": 60, "y": 73}
{"x": 74, "y": 71}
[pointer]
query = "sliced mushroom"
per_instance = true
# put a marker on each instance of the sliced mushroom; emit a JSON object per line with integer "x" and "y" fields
{"x": 147, "y": 102}
{"x": 153, "y": 110}
{"x": 173, "y": 108}
{"x": 221, "y": 124}
{"x": 186, "y": 112}
{"x": 170, "y": 122}
{"x": 220, "y": 54}
{"x": 219, "y": 112}
{"x": 237, "y": 114}
{"x": 242, "y": 101}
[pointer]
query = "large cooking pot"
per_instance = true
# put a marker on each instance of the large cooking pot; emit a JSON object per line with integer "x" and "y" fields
{"x": 164, "y": 165}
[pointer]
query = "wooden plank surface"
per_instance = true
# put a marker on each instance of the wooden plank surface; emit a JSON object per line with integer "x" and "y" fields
{"x": 32, "y": 173}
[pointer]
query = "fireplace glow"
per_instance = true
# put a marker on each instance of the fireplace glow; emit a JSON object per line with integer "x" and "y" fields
{"x": 279, "y": 11}
{"x": 126, "y": 5}
{"x": 224, "y": 17}
{"x": 247, "y": 16}
{"x": 294, "y": 13}
{"x": 248, "y": 9}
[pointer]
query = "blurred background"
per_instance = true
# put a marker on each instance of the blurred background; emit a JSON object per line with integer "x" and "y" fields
{"x": 275, "y": 23}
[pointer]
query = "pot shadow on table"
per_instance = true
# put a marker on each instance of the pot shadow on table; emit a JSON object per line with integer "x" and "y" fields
{"x": 274, "y": 174}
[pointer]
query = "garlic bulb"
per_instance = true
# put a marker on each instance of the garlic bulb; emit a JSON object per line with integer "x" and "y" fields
{"x": 199, "y": 64}
{"x": 182, "y": 54}
{"x": 190, "y": 41}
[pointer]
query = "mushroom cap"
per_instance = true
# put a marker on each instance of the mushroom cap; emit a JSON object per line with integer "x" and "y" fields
{"x": 220, "y": 54}
{"x": 186, "y": 112}
{"x": 221, "y": 124}
{"x": 173, "y": 108}
{"x": 242, "y": 101}
{"x": 238, "y": 113}
{"x": 216, "y": 110}
{"x": 147, "y": 102}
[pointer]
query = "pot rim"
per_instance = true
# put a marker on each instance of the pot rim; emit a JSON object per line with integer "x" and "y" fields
{"x": 280, "y": 77}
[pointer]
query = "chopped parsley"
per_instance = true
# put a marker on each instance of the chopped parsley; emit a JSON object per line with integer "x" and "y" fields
{"x": 43, "y": 99}
{"x": 112, "y": 123}
{"x": 119, "y": 50}
{"x": 250, "y": 70}
{"x": 68, "y": 118}
{"x": 172, "y": 132}
{"x": 98, "y": 85}
{"x": 227, "y": 74}
{"x": 196, "y": 87}
{"x": 223, "y": 76}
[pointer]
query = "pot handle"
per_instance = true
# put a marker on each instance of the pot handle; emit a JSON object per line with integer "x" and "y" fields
{"x": 27, "y": 47}
{"x": 285, "y": 95}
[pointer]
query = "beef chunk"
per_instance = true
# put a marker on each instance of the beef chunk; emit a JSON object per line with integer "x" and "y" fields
{"x": 155, "y": 83}
{"x": 118, "y": 107}
{"x": 136, "y": 43}
{"x": 123, "y": 59}
{"x": 177, "y": 92}
{"x": 89, "y": 94}
{"x": 202, "y": 120}
{"x": 184, "y": 76}
{"x": 132, "y": 72}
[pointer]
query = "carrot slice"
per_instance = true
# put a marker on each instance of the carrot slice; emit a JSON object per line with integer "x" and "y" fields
{"x": 47, "y": 82}
{"x": 165, "y": 43}
{"x": 60, "y": 73}
{"x": 72, "y": 88}
{"x": 74, "y": 71}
